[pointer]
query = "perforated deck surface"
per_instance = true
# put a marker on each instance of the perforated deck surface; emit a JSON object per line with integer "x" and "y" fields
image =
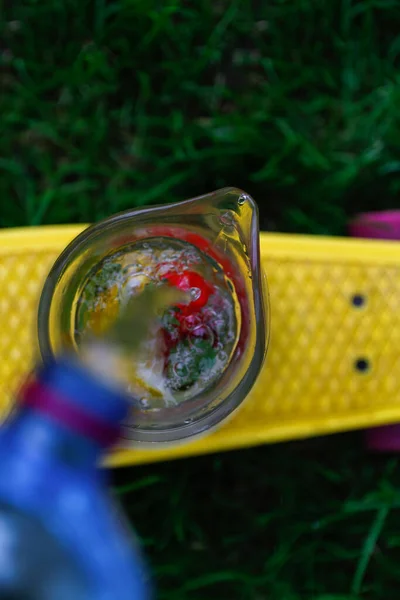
{"x": 334, "y": 355}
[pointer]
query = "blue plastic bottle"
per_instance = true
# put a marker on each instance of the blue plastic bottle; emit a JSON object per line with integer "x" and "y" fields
{"x": 61, "y": 534}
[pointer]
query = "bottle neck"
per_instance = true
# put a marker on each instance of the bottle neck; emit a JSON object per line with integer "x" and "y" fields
{"x": 66, "y": 413}
{"x": 44, "y": 439}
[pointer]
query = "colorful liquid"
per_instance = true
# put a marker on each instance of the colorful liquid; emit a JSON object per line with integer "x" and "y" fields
{"x": 190, "y": 344}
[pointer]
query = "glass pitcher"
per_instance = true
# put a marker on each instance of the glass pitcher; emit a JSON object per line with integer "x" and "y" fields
{"x": 206, "y": 355}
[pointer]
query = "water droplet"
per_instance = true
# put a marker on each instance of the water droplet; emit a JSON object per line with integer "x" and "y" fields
{"x": 187, "y": 421}
{"x": 242, "y": 199}
{"x": 144, "y": 403}
{"x": 222, "y": 355}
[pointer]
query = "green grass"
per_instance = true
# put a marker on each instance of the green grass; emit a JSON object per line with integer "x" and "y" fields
{"x": 313, "y": 520}
{"x": 111, "y": 104}
{"x": 107, "y": 105}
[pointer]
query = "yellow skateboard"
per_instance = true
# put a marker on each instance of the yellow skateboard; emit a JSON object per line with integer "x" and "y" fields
{"x": 334, "y": 354}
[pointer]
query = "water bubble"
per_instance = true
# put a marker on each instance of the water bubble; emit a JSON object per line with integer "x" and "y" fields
{"x": 210, "y": 314}
{"x": 195, "y": 293}
{"x": 135, "y": 283}
{"x": 192, "y": 321}
{"x": 228, "y": 220}
{"x": 219, "y": 324}
{"x": 130, "y": 267}
{"x": 180, "y": 369}
{"x": 201, "y": 332}
{"x": 242, "y": 199}
{"x": 144, "y": 403}
{"x": 164, "y": 269}
{"x": 190, "y": 257}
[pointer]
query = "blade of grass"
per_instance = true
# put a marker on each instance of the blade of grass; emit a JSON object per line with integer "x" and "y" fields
{"x": 368, "y": 548}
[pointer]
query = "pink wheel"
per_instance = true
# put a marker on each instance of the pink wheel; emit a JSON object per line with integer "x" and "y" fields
{"x": 380, "y": 225}
{"x": 384, "y": 226}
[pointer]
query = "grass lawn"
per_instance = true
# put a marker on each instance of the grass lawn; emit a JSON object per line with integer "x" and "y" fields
{"x": 106, "y": 105}
{"x": 312, "y": 520}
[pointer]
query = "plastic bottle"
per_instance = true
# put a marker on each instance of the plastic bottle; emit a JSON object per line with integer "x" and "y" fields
{"x": 61, "y": 534}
